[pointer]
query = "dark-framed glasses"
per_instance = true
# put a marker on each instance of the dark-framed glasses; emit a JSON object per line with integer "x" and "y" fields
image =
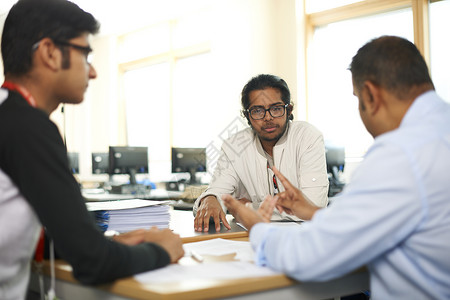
{"x": 86, "y": 50}
{"x": 259, "y": 112}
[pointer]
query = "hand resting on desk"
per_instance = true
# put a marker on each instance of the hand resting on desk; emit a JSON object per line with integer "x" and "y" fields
{"x": 165, "y": 238}
{"x": 210, "y": 209}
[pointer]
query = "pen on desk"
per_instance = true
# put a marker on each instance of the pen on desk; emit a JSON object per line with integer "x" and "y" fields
{"x": 197, "y": 256}
{"x": 240, "y": 225}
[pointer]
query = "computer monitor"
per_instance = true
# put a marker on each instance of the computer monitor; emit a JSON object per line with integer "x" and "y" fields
{"x": 100, "y": 163}
{"x": 128, "y": 160}
{"x": 335, "y": 157}
{"x": 74, "y": 164}
{"x": 189, "y": 160}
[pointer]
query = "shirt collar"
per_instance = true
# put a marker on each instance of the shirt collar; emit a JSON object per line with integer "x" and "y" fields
{"x": 421, "y": 107}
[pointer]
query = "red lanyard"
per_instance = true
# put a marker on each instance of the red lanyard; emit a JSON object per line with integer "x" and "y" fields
{"x": 275, "y": 183}
{"x": 39, "y": 253}
{"x": 21, "y": 90}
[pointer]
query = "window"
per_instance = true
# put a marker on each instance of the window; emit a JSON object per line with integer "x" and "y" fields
{"x": 147, "y": 112}
{"x": 332, "y": 106}
{"x": 334, "y": 31}
{"x": 312, "y": 6}
{"x": 166, "y": 86}
{"x": 440, "y": 47}
{"x": 191, "y": 99}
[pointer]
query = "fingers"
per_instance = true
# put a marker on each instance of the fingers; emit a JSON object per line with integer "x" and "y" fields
{"x": 284, "y": 203}
{"x": 201, "y": 220}
{"x": 210, "y": 208}
{"x": 243, "y": 214}
{"x": 267, "y": 207}
{"x": 172, "y": 243}
{"x": 244, "y": 201}
{"x": 131, "y": 238}
{"x": 225, "y": 221}
{"x": 216, "y": 222}
{"x": 178, "y": 247}
{"x": 287, "y": 185}
{"x": 231, "y": 204}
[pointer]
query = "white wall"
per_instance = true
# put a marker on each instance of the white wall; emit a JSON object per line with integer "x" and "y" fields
{"x": 250, "y": 37}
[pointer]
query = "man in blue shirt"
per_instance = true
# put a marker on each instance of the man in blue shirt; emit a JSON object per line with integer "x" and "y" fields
{"x": 394, "y": 215}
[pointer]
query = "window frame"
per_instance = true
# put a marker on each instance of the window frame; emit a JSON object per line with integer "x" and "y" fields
{"x": 420, "y": 10}
{"x": 170, "y": 56}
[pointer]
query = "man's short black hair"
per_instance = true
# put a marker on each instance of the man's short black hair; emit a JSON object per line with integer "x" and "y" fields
{"x": 29, "y": 21}
{"x": 391, "y": 62}
{"x": 261, "y": 82}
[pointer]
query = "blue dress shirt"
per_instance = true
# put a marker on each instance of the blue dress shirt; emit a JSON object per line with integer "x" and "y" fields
{"x": 393, "y": 216}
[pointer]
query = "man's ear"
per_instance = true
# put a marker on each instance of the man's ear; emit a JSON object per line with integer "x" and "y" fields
{"x": 49, "y": 54}
{"x": 373, "y": 99}
{"x": 289, "y": 110}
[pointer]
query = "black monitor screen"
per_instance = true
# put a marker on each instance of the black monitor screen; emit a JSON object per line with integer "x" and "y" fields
{"x": 128, "y": 160}
{"x": 74, "y": 162}
{"x": 100, "y": 163}
{"x": 189, "y": 160}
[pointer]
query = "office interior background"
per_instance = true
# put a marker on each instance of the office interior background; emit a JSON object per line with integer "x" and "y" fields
{"x": 170, "y": 72}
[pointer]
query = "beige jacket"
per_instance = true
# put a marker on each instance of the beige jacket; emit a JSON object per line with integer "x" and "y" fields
{"x": 242, "y": 171}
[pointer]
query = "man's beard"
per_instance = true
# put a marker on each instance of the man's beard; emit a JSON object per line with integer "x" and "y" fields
{"x": 276, "y": 138}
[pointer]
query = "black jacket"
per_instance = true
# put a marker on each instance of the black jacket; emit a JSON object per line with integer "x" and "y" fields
{"x": 33, "y": 155}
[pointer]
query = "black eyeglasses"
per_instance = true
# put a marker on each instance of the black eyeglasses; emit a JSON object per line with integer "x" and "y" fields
{"x": 259, "y": 112}
{"x": 86, "y": 50}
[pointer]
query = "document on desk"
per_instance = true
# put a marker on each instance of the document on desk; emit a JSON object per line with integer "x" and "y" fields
{"x": 122, "y": 204}
{"x": 241, "y": 267}
{"x": 127, "y": 215}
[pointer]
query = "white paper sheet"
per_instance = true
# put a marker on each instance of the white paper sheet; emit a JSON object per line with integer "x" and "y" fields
{"x": 206, "y": 271}
{"x": 242, "y": 268}
{"x": 243, "y": 250}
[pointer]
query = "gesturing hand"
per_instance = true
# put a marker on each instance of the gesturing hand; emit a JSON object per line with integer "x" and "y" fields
{"x": 243, "y": 214}
{"x": 267, "y": 207}
{"x": 292, "y": 201}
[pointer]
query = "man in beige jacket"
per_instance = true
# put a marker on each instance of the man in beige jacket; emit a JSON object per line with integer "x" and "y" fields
{"x": 244, "y": 167}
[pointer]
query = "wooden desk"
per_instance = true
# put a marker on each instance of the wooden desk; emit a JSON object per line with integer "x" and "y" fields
{"x": 279, "y": 286}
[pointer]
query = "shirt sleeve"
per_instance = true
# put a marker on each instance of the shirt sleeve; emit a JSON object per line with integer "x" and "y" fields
{"x": 312, "y": 166}
{"x": 379, "y": 209}
{"x": 38, "y": 165}
{"x": 224, "y": 181}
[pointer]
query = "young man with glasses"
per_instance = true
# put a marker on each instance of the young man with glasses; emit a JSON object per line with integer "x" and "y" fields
{"x": 45, "y": 48}
{"x": 244, "y": 167}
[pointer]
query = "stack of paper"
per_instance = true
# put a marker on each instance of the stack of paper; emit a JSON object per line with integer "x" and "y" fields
{"x": 127, "y": 215}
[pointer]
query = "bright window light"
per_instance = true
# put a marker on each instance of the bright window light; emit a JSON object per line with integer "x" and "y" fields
{"x": 332, "y": 106}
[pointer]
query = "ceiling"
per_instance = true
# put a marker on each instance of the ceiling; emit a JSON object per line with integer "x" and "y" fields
{"x": 118, "y": 16}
